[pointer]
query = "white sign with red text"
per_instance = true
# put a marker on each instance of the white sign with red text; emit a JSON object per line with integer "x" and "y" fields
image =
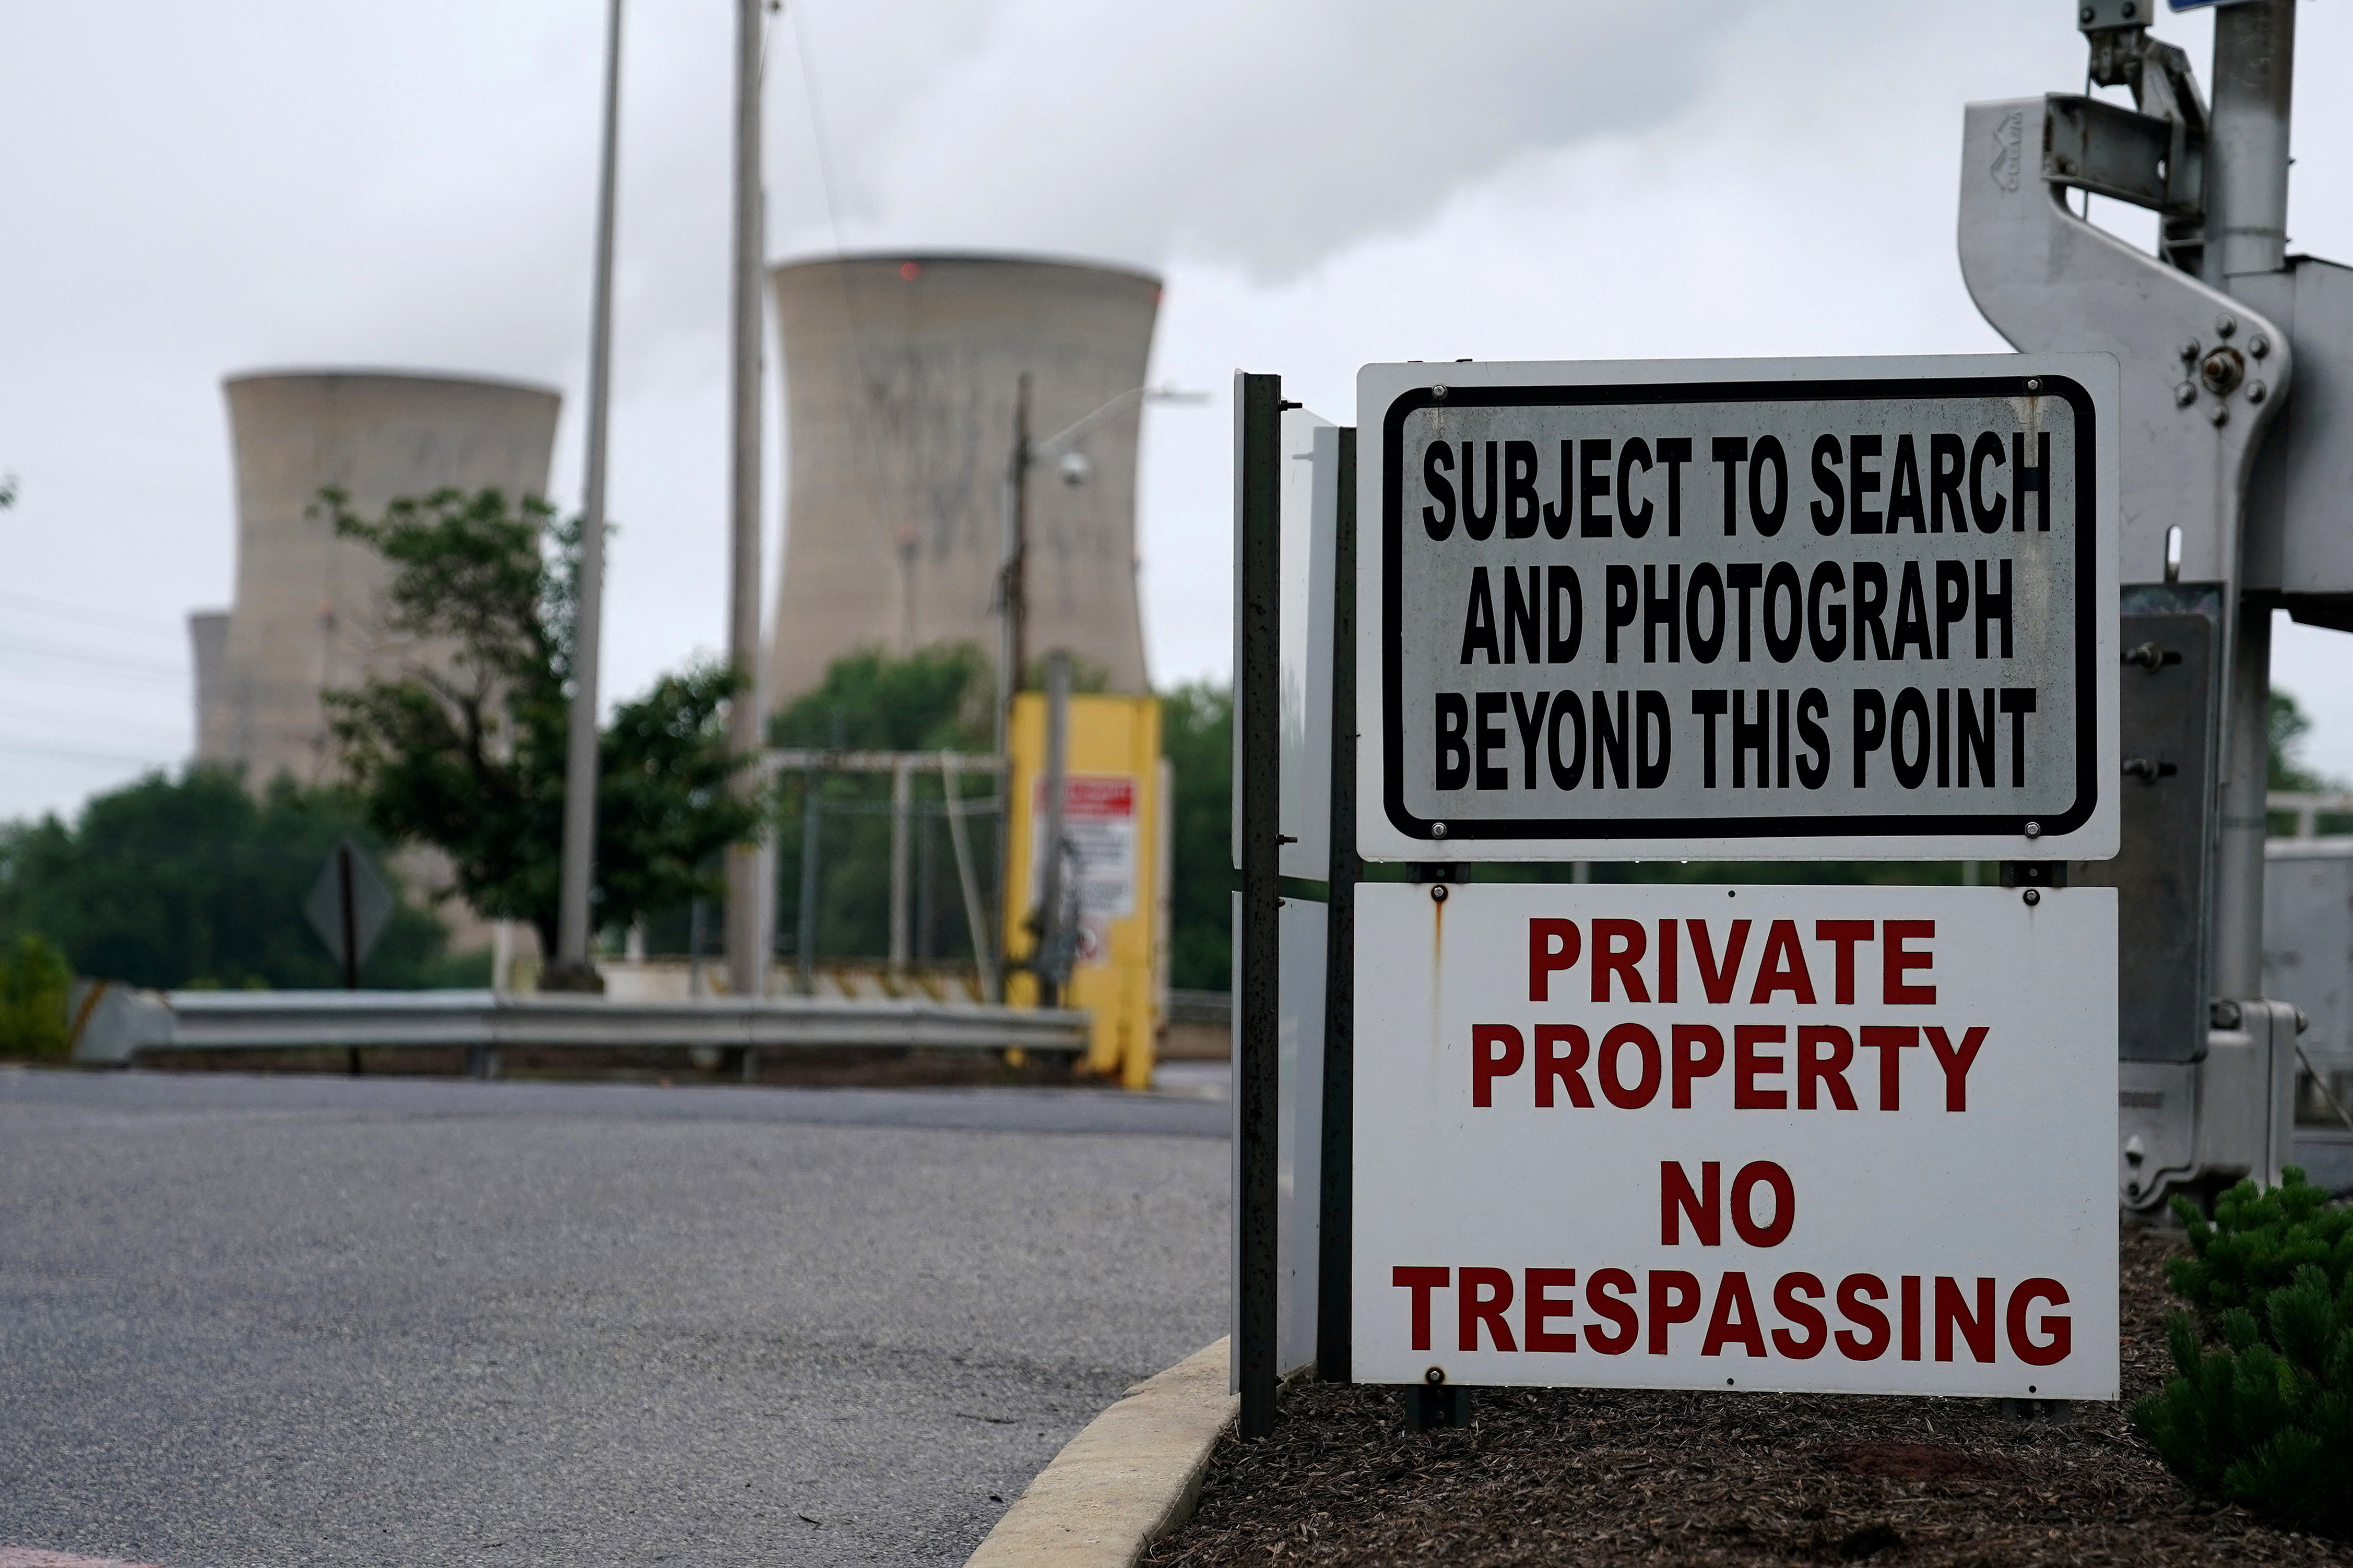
{"x": 1831, "y": 1138}
{"x": 1099, "y": 826}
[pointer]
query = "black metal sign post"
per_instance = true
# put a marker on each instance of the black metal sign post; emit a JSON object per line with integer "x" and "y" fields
{"x": 1260, "y": 793}
{"x": 347, "y": 921}
{"x": 349, "y": 905}
{"x": 1333, "y": 1258}
{"x": 347, "y": 918}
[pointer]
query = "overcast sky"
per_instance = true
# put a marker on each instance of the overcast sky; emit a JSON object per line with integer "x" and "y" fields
{"x": 188, "y": 191}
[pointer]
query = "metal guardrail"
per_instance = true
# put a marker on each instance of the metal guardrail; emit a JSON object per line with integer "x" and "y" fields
{"x": 2307, "y": 809}
{"x": 116, "y": 1026}
{"x": 1215, "y": 1007}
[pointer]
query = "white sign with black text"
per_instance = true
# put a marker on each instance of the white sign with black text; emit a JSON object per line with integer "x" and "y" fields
{"x": 1859, "y": 608}
{"x": 1795, "y": 1137}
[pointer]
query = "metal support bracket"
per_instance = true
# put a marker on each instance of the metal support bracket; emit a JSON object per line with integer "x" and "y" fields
{"x": 2200, "y": 1126}
{"x": 2051, "y": 283}
{"x": 2202, "y": 378}
{"x": 2111, "y": 150}
{"x": 1432, "y": 1406}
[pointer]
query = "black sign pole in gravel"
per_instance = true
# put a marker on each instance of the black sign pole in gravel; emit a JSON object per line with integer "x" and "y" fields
{"x": 1335, "y": 1258}
{"x": 347, "y": 923}
{"x": 1260, "y": 798}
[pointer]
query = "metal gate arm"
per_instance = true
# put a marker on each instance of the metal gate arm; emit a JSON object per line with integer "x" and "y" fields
{"x": 2192, "y": 413}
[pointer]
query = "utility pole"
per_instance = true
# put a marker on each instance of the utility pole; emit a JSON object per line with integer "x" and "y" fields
{"x": 1013, "y": 578}
{"x": 1013, "y": 586}
{"x": 747, "y": 938}
{"x": 572, "y": 970}
{"x": 1053, "y": 939}
{"x": 1012, "y": 637}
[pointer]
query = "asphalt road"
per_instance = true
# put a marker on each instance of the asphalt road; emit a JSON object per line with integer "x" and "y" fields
{"x": 330, "y": 1321}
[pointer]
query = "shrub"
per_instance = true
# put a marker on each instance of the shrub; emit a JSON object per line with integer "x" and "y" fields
{"x": 2261, "y": 1408}
{"x": 35, "y": 986}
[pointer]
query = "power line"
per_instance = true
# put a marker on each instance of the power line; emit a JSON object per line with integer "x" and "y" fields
{"x": 103, "y": 720}
{"x": 59, "y": 607}
{"x": 74, "y": 754}
{"x": 144, "y": 667}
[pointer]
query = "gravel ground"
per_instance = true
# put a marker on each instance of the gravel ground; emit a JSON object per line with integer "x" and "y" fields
{"x": 1590, "y": 1477}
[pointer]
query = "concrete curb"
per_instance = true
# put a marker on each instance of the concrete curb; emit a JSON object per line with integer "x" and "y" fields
{"x": 1130, "y": 1477}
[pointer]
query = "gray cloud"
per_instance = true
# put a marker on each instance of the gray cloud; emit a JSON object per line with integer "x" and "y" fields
{"x": 1266, "y": 136}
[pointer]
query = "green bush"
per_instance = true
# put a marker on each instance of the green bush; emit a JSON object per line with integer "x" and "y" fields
{"x": 2261, "y": 1410}
{"x": 35, "y": 986}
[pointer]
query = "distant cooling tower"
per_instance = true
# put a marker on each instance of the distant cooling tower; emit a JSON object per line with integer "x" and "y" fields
{"x": 901, "y": 377}
{"x": 306, "y": 614}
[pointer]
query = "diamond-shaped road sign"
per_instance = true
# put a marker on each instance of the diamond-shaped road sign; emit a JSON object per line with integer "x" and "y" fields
{"x": 349, "y": 906}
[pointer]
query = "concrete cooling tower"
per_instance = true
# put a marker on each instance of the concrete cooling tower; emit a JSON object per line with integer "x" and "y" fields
{"x": 306, "y": 614}
{"x": 900, "y": 376}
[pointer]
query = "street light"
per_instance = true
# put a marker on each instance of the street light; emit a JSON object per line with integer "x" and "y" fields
{"x": 1061, "y": 449}
{"x": 1013, "y": 578}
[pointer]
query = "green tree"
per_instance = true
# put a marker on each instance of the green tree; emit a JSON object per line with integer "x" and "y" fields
{"x": 35, "y": 986}
{"x": 937, "y": 699}
{"x": 2288, "y": 725}
{"x": 465, "y": 751}
{"x": 194, "y": 882}
{"x": 1197, "y": 735}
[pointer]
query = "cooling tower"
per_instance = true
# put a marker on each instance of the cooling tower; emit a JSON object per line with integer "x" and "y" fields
{"x": 306, "y": 616}
{"x": 901, "y": 377}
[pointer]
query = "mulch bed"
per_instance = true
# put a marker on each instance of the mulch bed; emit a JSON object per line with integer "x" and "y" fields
{"x": 1584, "y": 1476}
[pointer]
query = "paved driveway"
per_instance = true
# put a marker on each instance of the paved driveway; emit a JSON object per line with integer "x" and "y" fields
{"x": 317, "y": 1320}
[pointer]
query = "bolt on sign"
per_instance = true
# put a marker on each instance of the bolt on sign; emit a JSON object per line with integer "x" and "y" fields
{"x": 1832, "y": 1138}
{"x": 1846, "y": 610}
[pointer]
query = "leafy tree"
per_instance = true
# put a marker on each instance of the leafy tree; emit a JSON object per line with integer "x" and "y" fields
{"x": 936, "y": 698}
{"x": 940, "y": 698}
{"x": 35, "y": 986}
{"x": 933, "y": 700}
{"x": 1197, "y": 734}
{"x": 2288, "y": 724}
{"x": 192, "y": 883}
{"x": 465, "y": 750}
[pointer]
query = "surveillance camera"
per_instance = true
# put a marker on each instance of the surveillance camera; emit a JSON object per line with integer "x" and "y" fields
{"x": 1075, "y": 467}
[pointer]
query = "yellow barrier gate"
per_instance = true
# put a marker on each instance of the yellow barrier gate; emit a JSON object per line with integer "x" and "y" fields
{"x": 1112, "y": 807}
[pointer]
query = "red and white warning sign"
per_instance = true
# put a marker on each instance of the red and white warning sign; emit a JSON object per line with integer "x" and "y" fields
{"x": 1099, "y": 831}
{"x": 1793, "y": 1138}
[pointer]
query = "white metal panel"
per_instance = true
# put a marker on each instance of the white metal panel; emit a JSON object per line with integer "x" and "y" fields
{"x": 2308, "y": 943}
{"x": 1309, "y": 494}
{"x": 2010, "y": 1182}
{"x": 1299, "y": 1122}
